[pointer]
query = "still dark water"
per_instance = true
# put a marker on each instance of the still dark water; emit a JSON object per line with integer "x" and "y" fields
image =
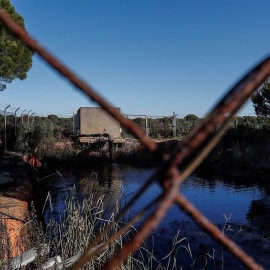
{"x": 236, "y": 194}
{"x": 242, "y": 196}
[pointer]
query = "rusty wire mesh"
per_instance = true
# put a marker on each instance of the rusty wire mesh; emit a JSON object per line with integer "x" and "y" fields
{"x": 174, "y": 167}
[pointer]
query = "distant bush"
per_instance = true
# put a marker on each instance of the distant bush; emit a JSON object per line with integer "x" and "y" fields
{"x": 53, "y": 153}
{"x": 246, "y": 144}
{"x": 28, "y": 136}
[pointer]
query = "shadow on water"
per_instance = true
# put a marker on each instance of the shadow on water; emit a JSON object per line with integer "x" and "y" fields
{"x": 258, "y": 212}
{"x": 242, "y": 196}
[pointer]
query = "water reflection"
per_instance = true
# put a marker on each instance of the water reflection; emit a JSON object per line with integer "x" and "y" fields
{"x": 259, "y": 213}
{"x": 244, "y": 197}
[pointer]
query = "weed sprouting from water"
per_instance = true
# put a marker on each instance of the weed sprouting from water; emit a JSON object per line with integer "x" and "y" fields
{"x": 69, "y": 232}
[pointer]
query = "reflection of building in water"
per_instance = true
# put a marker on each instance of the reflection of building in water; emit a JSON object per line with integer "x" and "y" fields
{"x": 104, "y": 180}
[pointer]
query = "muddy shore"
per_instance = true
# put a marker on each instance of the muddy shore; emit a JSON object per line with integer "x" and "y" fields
{"x": 16, "y": 194}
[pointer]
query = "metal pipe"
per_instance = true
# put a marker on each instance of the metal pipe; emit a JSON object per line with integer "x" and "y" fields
{"x": 6, "y": 128}
{"x": 133, "y": 115}
{"x": 15, "y": 120}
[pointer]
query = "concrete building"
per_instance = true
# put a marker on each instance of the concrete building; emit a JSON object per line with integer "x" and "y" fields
{"x": 93, "y": 120}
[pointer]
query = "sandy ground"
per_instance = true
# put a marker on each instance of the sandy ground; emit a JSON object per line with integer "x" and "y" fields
{"x": 17, "y": 230}
{"x": 14, "y": 197}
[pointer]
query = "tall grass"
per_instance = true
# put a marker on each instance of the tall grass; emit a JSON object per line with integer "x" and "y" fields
{"x": 72, "y": 230}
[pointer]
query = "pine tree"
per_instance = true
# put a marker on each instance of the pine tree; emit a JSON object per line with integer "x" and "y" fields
{"x": 15, "y": 57}
{"x": 261, "y": 100}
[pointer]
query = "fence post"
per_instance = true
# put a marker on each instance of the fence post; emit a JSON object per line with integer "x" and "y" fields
{"x": 32, "y": 117}
{"x": 15, "y": 121}
{"x": 174, "y": 124}
{"x": 146, "y": 126}
{"x": 6, "y": 128}
{"x": 73, "y": 123}
{"x": 28, "y": 116}
{"x": 22, "y": 115}
{"x": 164, "y": 127}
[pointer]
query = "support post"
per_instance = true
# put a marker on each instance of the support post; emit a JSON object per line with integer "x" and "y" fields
{"x": 22, "y": 115}
{"x": 174, "y": 124}
{"x": 110, "y": 149}
{"x": 6, "y": 128}
{"x": 15, "y": 121}
{"x": 32, "y": 117}
{"x": 146, "y": 126}
{"x": 28, "y": 116}
{"x": 164, "y": 127}
{"x": 73, "y": 124}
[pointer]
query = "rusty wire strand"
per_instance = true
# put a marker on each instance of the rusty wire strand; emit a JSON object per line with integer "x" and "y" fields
{"x": 208, "y": 147}
{"x": 173, "y": 180}
{"x": 89, "y": 253}
{"x": 228, "y": 106}
{"x": 99, "y": 238}
{"x": 122, "y": 255}
{"x": 202, "y": 221}
{"x": 193, "y": 165}
{"x": 17, "y": 30}
{"x": 195, "y": 162}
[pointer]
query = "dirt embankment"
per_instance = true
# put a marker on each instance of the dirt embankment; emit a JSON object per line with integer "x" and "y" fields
{"x": 16, "y": 192}
{"x": 14, "y": 212}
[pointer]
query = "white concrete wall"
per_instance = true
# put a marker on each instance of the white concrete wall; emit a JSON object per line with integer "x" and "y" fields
{"x": 96, "y": 120}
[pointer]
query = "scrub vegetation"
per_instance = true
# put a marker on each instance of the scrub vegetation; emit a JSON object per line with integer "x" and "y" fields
{"x": 245, "y": 144}
{"x": 29, "y": 136}
{"x": 69, "y": 232}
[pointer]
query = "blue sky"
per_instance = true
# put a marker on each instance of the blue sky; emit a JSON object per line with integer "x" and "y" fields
{"x": 147, "y": 57}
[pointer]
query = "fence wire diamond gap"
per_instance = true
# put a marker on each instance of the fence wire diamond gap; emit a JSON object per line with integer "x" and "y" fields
{"x": 175, "y": 167}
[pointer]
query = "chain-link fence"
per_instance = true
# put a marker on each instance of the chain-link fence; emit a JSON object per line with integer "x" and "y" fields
{"x": 11, "y": 119}
{"x": 16, "y": 123}
{"x": 174, "y": 167}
